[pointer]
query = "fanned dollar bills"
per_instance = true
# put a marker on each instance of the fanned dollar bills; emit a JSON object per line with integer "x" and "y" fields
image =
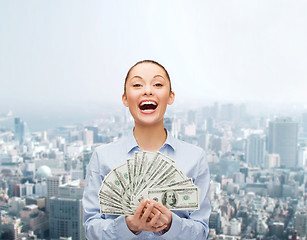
{"x": 147, "y": 175}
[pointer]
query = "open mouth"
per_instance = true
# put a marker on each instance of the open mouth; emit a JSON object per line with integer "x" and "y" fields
{"x": 148, "y": 105}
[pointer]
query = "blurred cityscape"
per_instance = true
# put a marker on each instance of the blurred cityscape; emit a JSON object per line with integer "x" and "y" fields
{"x": 258, "y": 166}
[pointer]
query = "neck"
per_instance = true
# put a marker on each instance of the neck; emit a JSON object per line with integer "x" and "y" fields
{"x": 150, "y": 138}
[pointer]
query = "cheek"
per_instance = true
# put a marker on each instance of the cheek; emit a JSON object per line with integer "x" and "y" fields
{"x": 131, "y": 98}
{"x": 165, "y": 97}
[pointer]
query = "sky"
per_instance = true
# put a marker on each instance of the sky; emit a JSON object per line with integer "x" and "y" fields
{"x": 72, "y": 53}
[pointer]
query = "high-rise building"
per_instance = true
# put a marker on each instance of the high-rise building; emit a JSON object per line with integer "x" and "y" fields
{"x": 19, "y": 130}
{"x": 203, "y": 140}
{"x": 86, "y": 156}
{"x": 215, "y": 221}
{"x": 233, "y": 227}
{"x": 302, "y": 157}
{"x": 53, "y": 183}
{"x": 283, "y": 140}
{"x": 277, "y": 229}
{"x": 65, "y": 217}
{"x": 210, "y": 124}
{"x": 95, "y": 132}
{"x": 227, "y": 112}
{"x": 272, "y": 161}
{"x": 168, "y": 124}
{"x": 87, "y": 137}
{"x": 255, "y": 150}
{"x": 191, "y": 117}
{"x": 300, "y": 222}
{"x": 304, "y": 124}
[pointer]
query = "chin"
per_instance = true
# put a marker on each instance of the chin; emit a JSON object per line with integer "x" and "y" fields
{"x": 148, "y": 122}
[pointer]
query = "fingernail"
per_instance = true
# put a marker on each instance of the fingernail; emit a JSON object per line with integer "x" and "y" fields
{"x": 151, "y": 204}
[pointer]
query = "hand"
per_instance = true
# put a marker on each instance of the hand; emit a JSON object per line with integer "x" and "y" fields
{"x": 141, "y": 220}
{"x": 162, "y": 220}
{"x": 166, "y": 215}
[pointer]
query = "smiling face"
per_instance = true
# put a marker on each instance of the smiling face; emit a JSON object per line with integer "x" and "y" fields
{"x": 148, "y": 93}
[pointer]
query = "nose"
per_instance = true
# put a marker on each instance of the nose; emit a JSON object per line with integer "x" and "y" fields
{"x": 148, "y": 91}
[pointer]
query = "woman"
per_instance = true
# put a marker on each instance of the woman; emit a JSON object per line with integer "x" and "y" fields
{"x": 147, "y": 92}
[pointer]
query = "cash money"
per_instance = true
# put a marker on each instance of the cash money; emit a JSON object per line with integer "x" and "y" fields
{"x": 147, "y": 175}
{"x": 183, "y": 198}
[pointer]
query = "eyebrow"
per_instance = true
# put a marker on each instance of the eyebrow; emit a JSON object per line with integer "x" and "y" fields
{"x": 159, "y": 76}
{"x": 153, "y": 77}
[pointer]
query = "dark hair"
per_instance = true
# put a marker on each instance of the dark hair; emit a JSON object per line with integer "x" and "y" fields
{"x": 147, "y": 61}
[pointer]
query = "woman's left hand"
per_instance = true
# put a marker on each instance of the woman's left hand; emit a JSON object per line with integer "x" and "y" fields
{"x": 165, "y": 217}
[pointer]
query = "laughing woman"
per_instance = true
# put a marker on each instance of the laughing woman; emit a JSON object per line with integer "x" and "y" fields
{"x": 147, "y": 92}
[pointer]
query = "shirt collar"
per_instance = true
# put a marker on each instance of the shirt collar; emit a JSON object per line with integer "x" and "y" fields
{"x": 131, "y": 143}
{"x": 133, "y": 146}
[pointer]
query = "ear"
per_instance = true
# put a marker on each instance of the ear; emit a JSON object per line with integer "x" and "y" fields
{"x": 124, "y": 99}
{"x": 171, "y": 98}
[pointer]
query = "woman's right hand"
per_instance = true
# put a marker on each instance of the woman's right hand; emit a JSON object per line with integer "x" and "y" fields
{"x": 142, "y": 220}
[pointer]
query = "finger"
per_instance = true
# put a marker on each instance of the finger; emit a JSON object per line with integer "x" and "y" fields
{"x": 159, "y": 223}
{"x": 166, "y": 214}
{"x": 139, "y": 209}
{"x": 163, "y": 217}
{"x": 150, "y": 217}
{"x": 147, "y": 213}
{"x": 158, "y": 206}
{"x": 158, "y": 229}
{"x": 155, "y": 210}
{"x": 154, "y": 220}
{"x": 161, "y": 208}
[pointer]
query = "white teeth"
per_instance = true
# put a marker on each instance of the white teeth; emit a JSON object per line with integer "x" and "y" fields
{"x": 148, "y": 102}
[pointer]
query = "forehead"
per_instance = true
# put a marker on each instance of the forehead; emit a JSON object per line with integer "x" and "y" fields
{"x": 147, "y": 70}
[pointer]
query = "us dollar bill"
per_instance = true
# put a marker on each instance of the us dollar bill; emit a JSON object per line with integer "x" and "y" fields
{"x": 114, "y": 183}
{"x": 121, "y": 173}
{"x": 146, "y": 175}
{"x": 107, "y": 208}
{"x": 130, "y": 168}
{"x": 147, "y": 161}
{"x": 183, "y": 198}
{"x": 172, "y": 175}
{"x": 151, "y": 160}
{"x": 161, "y": 167}
{"x": 184, "y": 183}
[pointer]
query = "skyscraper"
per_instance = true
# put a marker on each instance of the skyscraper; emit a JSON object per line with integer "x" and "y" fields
{"x": 19, "y": 130}
{"x": 53, "y": 183}
{"x": 255, "y": 150}
{"x": 300, "y": 222}
{"x": 283, "y": 140}
{"x": 168, "y": 123}
{"x": 65, "y": 217}
{"x": 86, "y": 157}
{"x": 304, "y": 124}
{"x": 215, "y": 221}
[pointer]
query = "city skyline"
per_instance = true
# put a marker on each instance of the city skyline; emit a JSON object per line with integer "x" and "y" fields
{"x": 255, "y": 193}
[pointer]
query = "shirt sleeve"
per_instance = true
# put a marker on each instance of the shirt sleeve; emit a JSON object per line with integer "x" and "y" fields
{"x": 95, "y": 224}
{"x": 195, "y": 226}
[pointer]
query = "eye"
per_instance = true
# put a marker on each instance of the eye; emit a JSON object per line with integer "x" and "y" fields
{"x": 159, "y": 85}
{"x": 136, "y": 85}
